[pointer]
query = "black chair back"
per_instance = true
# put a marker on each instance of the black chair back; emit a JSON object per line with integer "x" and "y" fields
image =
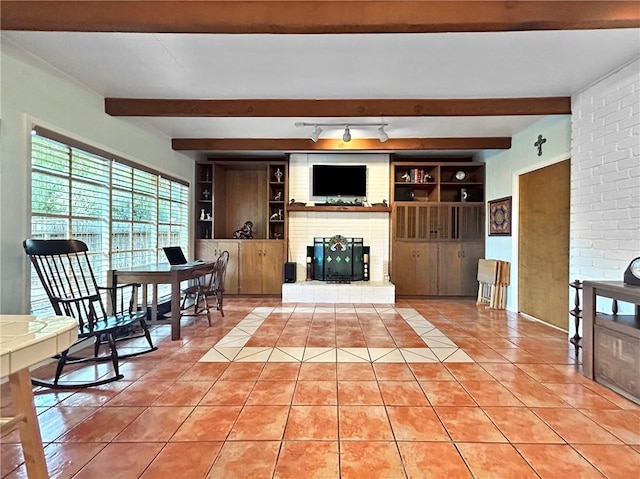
{"x": 67, "y": 277}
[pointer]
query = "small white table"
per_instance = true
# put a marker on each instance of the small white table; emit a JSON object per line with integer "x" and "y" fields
{"x": 25, "y": 341}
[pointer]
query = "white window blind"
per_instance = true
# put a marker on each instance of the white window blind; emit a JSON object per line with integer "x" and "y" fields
{"x": 123, "y": 213}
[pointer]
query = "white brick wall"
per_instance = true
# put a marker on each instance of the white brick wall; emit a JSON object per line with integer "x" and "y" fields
{"x": 373, "y": 227}
{"x": 605, "y": 176}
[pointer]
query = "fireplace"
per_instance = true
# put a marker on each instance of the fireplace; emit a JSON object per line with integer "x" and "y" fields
{"x": 338, "y": 259}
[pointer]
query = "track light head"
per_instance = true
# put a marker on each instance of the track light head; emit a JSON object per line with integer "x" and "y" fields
{"x": 347, "y": 135}
{"x": 382, "y": 134}
{"x": 315, "y": 134}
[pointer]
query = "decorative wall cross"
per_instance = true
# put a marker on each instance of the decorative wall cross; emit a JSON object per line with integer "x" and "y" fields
{"x": 538, "y": 144}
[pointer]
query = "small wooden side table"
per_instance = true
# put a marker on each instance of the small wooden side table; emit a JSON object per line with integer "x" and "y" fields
{"x": 25, "y": 341}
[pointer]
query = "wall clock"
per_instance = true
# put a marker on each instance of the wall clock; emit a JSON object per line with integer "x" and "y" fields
{"x": 632, "y": 273}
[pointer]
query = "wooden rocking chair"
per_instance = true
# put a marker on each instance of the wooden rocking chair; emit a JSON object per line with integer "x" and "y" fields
{"x": 65, "y": 272}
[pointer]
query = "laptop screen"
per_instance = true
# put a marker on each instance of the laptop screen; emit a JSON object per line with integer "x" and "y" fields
{"x": 175, "y": 255}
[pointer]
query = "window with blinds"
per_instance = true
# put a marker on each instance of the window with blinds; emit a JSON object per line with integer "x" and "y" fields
{"x": 125, "y": 214}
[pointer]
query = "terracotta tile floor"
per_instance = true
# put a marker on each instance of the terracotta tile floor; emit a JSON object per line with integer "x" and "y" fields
{"x": 452, "y": 390}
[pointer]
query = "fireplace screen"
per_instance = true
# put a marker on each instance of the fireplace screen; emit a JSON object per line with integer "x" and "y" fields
{"x": 338, "y": 260}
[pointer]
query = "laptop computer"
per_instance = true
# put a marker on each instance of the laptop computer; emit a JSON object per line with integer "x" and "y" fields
{"x": 174, "y": 255}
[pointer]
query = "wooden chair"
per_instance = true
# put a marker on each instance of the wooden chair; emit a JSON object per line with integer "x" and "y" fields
{"x": 67, "y": 276}
{"x": 207, "y": 286}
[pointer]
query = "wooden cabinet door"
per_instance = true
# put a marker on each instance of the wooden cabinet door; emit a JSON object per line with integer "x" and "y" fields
{"x": 458, "y": 268}
{"x": 449, "y": 269}
{"x": 250, "y": 267}
{"x": 426, "y": 277}
{"x": 209, "y": 250}
{"x": 404, "y": 267}
{"x": 272, "y": 265}
{"x": 261, "y": 264}
{"x": 471, "y": 252}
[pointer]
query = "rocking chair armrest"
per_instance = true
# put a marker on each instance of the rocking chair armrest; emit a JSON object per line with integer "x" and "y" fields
{"x": 91, "y": 297}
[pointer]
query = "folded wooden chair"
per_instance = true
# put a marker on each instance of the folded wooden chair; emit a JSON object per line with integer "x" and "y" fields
{"x": 67, "y": 277}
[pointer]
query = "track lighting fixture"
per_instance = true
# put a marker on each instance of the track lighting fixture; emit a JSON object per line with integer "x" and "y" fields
{"x": 315, "y": 134}
{"x": 346, "y": 136}
{"x": 382, "y": 134}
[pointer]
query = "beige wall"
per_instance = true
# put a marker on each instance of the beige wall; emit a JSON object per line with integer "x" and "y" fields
{"x": 36, "y": 94}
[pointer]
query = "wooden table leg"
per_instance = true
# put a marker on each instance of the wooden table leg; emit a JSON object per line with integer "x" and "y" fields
{"x": 154, "y": 303}
{"x": 175, "y": 306}
{"x": 22, "y": 396}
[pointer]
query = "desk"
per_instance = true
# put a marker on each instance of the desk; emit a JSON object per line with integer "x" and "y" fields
{"x": 161, "y": 273}
{"x": 25, "y": 341}
{"x": 611, "y": 342}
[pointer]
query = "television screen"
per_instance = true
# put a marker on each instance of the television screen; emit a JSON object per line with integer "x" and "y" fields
{"x": 337, "y": 180}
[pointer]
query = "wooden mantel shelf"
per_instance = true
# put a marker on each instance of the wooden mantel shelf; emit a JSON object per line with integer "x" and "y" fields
{"x": 341, "y": 208}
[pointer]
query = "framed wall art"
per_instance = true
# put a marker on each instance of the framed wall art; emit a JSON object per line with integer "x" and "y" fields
{"x": 500, "y": 217}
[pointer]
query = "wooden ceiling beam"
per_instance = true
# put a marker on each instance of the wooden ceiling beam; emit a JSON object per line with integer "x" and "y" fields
{"x": 315, "y": 17}
{"x": 365, "y": 144}
{"x": 340, "y": 108}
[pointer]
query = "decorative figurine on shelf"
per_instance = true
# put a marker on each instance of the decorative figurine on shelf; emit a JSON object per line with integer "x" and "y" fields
{"x": 278, "y": 196}
{"x": 246, "y": 232}
{"x": 277, "y": 235}
{"x": 406, "y": 177}
{"x": 383, "y": 203}
{"x": 293, "y": 202}
{"x": 203, "y": 216}
{"x": 277, "y": 216}
{"x": 208, "y": 216}
{"x": 278, "y": 174}
{"x": 206, "y": 194}
{"x": 207, "y": 174}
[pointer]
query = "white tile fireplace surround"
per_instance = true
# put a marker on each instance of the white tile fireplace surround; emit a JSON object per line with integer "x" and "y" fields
{"x": 304, "y": 226}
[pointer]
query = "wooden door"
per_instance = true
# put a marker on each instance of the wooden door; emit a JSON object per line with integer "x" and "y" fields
{"x": 272, "y": 266}
{"x": 543, "y": 263}
{"x": 426, "y": 277}
{"x": 404, "y": 267}
{"x": 250, "y": 267}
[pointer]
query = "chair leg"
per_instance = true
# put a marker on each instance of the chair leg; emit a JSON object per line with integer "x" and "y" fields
{"x": 143, "y": 325}
{"x": 114, "y": 355}
{"x": 61, "y": 362}
{"x": 96, "y": 345}
{"x": 219, "y": 299}
{"x": 206, "y": 307}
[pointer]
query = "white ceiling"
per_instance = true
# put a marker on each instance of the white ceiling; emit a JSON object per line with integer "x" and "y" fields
{"x": 367, "y": 66}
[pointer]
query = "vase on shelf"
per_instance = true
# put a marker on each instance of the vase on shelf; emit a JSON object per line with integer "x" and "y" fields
{"x": 203, "y": 216}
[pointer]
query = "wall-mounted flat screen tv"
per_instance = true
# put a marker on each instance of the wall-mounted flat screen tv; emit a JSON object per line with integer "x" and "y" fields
{"x": 339, "y": 180}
